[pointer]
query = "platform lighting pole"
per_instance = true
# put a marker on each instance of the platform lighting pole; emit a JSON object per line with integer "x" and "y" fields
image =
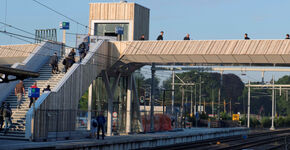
{"x": 182, "y": 107}
{"x": 172, "y": 88}
{"x": 219, "y": 96}
{"x": 212, "y": 104}
{"x": 249, "y": 103}
{"x": 199, "y": 93}
{"x": 273, "y": 104}
{"x": 152, "y": 98}
{"x": 163, "y": 101}
{"x": 195, "y": 99}
{"x": 191, "y": 100}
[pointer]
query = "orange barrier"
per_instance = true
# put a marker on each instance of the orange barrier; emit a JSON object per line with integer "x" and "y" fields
{"x": 161, "y": 123}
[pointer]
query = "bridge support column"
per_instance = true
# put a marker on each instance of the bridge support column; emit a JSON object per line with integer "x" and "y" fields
{"x": 110, "y": 93}
{"x": 136, "y": 108}
{"x": 129, "y": 101}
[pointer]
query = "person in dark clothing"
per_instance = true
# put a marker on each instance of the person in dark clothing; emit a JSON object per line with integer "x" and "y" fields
{"x": 47, "y": 89}
{"x": 160, "y": 37}
{"x": 186, "y": 37}
{"x": 246, "y": 37}
{"x": 101, "y": 125}
{"x": 70, "y": 60}
{"x": 53, "y": 63}
{"x": 82, "y": 50}
{"x": 142, "y": 38}
{"x": 7, "y": 112}
{"x": 287, "y": 36}
{"x": 1, "y": 115}
{"x": 71, "y": 55}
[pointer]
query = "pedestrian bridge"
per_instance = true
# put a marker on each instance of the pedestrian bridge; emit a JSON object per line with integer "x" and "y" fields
{"x": 244, "y": 52}
{"x": 120, "y": 59}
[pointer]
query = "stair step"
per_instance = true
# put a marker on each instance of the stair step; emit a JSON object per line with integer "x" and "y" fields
{"x": 45, "y": 78}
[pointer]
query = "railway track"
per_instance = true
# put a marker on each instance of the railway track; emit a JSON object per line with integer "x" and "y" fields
{"x": 269, "y": 140}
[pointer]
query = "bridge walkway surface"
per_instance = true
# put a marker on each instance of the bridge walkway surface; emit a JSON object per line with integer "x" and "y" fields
{"x": 134, "y": 141}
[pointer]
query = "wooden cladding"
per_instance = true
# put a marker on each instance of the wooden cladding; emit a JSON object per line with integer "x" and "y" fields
{"x": 136, "y": 14}
{"x": 207, "y": 51}
{"x": 111, "y": 11}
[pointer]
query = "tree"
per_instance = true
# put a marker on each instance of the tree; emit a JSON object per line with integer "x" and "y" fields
{"x": 232, "y": 87}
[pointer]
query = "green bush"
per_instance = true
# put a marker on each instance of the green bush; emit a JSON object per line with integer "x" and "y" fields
{"x": 243, "y": 121}
{"x": 254, "y": 123}
{"x": 203, "y": 116}
{"x": 287, "y": 121}
{"x": 225, "y": 116}
{"x": 266, "y": 122}
{"x": 280, "y": 122}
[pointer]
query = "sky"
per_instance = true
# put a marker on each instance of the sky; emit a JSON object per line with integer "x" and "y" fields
{"x": 202, "y": 19}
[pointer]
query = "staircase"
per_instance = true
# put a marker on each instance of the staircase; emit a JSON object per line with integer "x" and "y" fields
{"x": 45, "y": 78}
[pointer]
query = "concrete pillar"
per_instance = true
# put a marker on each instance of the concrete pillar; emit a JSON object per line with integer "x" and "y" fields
{"x": 110, "y": 92}
{"x": 98, "y": 97}
{"x": 172, "y": 92}
{"x": 129, "y": 101}
{"x": 109, "y": 115}
{"x": 90, "y": 97}
{"x": 136, "y": 107}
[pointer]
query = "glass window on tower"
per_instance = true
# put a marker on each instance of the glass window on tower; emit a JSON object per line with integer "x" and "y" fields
{"x": 108, "y": 29}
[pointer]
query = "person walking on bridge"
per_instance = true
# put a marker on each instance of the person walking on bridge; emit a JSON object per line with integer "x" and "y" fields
{"x": 287, "y": 36}
{"x": 69, "y": 60}
{"x": 142, "y": 38}
{"x": 53, "y": 63}
{"x": 246, "y": 36}
{"x": 160, "y": 37}
{"x": 186, "y": 37}
{"x": 101, "y": 125}
{"x": 19, "y": 90}
{"x": 82, "y": 50}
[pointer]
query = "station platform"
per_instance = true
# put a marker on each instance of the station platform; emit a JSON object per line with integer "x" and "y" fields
{"x": 134, "y": 141}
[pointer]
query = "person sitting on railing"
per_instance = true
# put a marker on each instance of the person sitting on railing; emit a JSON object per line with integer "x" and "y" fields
{"x": 47, "y": 89}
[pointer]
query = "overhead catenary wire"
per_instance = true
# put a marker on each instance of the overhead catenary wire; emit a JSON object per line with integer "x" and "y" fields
{"x": 9, "y": 25}
{"x": 59, "y": 13}
{"x": 22, "y": 36}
